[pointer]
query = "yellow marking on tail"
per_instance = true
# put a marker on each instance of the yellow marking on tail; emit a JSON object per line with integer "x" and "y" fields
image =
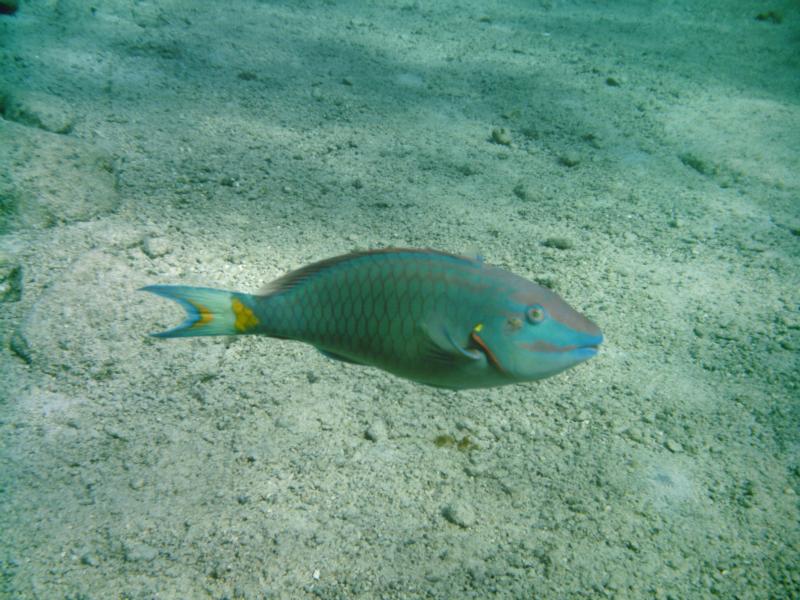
{"x": 205, "y": 314}
{"x": 245, "y": 319}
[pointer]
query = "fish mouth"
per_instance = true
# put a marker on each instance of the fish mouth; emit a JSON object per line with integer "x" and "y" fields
{"x": 588, "y": 349}
{"x": 584, "y": 352}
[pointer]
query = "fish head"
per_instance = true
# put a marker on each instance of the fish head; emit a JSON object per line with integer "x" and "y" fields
{"x": 534, "y": 333}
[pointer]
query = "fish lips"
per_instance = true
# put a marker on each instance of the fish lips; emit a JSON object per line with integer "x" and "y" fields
{"x": 588, "y": 344}
{"x": 586, "y": 350}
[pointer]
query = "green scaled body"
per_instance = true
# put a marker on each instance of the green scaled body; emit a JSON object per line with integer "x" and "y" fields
{"x": 431, "y": 317}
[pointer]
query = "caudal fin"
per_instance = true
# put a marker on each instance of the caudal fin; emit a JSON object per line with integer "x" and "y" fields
{"x": 208, "y": 311}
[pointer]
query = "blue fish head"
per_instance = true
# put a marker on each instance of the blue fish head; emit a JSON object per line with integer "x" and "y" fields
{"x": 537, "y": 335}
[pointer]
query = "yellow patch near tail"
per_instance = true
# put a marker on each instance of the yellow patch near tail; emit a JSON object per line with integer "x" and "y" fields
{"x": 205, "y": 314}
{"x": 245, "y": 319}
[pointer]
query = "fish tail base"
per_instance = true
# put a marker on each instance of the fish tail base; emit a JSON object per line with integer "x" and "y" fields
{"x": 208, "y": 311}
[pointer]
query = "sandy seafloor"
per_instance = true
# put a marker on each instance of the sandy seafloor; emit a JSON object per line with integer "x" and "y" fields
{"x": 649, "y": 171}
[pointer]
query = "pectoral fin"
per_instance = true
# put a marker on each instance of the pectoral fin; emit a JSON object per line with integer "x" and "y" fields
{"x": 442, "y": 348}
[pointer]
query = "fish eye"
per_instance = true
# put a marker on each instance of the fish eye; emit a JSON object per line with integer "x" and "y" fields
{"x": 535, "y": 314}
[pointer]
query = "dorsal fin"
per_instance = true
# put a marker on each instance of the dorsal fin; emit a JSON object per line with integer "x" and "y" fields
{"x": 293, "y": 278}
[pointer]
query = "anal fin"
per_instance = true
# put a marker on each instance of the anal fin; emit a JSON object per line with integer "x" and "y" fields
{"x": 334, "y": 356}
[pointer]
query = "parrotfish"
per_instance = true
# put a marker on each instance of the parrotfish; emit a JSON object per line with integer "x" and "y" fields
{"x": 434, "y": 318}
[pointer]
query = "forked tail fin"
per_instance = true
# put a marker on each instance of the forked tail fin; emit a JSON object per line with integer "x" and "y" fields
{"x": 208, "y": 311}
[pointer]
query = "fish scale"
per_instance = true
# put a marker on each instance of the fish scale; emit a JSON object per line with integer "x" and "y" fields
{"x": 361, "y": 296}
{"x": 428, "y": 316}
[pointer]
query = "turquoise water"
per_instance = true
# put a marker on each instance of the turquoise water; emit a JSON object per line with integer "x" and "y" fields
{"x": 639, "y": 158}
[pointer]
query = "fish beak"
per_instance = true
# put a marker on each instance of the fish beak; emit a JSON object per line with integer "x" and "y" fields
{"x": 588, "y": 347}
